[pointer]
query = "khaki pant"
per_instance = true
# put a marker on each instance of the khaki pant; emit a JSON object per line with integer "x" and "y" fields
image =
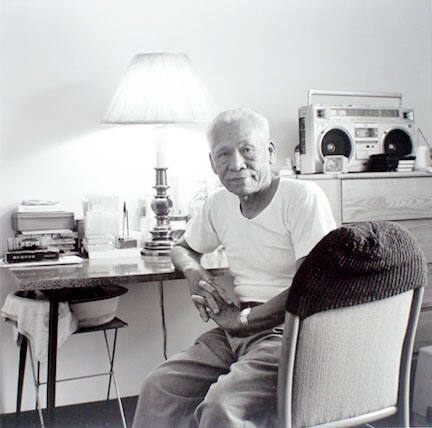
{"x": 219, "y": 382}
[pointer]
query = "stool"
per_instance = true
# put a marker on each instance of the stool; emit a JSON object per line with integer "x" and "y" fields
{"x": 24, "y": 344}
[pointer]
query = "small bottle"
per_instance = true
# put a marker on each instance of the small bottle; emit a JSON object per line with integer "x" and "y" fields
{"x": 146, "y": 219}
{"x": 287, "y": 169}
{"x": 297, "y": 159}
{"x": 422, "y": 158}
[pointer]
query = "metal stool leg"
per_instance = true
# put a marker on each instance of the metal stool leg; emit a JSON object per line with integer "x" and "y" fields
{"x": 21, "y": 371}
{"x": 111, "y": 358}
{"x": 38, "y": 377}
{"x": 36, "y": 386}
{"x": 112, "y": 374}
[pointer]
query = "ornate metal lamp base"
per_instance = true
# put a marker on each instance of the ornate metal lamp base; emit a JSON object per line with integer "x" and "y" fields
{"x": 157, "y": 251}
{"x": 162, "y": 241}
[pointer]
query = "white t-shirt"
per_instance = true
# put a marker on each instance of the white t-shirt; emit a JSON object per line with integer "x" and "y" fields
{"x": 262, "y": 251}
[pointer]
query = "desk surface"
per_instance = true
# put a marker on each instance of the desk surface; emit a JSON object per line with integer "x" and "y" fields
{"x": 114, "y": 272}
{"x": 99, "y": 272}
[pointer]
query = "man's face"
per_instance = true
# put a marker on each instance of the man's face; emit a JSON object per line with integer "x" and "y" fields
{"x": 241, "y": 156}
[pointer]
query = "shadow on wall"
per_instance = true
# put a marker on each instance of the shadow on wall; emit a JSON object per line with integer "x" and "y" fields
{"x": 46, "y": 118}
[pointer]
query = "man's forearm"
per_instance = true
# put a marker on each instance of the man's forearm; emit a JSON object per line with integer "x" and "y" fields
{"x": 269, "y": 314}
{"x": 184, "y": 259}
{"x": 272, "y": 312}
{"x": 200, "y": 281}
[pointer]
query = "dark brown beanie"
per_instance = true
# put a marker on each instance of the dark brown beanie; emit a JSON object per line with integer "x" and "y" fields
{"x": 356, "y": 264}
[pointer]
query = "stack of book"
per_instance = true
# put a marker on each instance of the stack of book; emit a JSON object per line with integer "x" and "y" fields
{"x": 23, "y": 249}
{"x": 406, "y": 164}
{"x": 44, "y": 231}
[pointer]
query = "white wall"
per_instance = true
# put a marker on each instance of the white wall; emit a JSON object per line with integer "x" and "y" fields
{"x": 61, "y": 62}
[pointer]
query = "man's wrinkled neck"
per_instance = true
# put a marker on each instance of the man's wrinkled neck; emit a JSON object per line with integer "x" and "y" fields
{"x": 252, "y": 204}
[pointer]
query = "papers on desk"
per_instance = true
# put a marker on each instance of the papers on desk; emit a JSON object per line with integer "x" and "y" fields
{"x": 115, "y": 253}
{"x": 62, "y": 260}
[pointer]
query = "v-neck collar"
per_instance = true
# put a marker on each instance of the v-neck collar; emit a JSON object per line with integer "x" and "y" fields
{"x": 239, "y": 210}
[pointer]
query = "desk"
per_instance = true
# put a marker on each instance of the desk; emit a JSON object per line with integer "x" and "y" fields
{"x": 53, "y": 280}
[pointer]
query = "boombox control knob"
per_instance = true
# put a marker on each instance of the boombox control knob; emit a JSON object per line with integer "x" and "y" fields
{"x": 331, "y": 147}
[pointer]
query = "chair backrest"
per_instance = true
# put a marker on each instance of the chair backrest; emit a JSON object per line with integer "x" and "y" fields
{"x": 348, "y": 366}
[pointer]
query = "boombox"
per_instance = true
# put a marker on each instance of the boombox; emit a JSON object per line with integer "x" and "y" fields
{"x": 354, "y": 131}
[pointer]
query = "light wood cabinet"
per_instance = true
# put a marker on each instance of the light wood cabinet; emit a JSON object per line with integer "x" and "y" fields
{"x": 386, "y": 199}
{"x": 405, "y": 198}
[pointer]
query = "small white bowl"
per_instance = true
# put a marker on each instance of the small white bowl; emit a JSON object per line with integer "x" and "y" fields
{"x": 95, "y": 305}
{"x": 96, "y": 312}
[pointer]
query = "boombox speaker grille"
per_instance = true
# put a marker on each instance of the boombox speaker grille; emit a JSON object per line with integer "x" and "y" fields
{"x": 336, "y": 142}
{"x": 397, "y": 143}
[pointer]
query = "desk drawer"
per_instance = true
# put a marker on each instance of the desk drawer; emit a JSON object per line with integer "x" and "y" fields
{"x": 424, "y": 328}
{"x": 427, "y": 297}
{"x": 422, "y": 231}
{"x": 386, "y": 199}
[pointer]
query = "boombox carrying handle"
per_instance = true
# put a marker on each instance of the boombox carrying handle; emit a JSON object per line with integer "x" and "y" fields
{"x": 312, "y": 92}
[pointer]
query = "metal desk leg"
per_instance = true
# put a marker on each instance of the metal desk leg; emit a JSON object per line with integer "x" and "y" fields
{"x": 52, "y": 355}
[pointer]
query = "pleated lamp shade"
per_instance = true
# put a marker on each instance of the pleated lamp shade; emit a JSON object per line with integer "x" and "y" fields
{"x": 160, "y": 88}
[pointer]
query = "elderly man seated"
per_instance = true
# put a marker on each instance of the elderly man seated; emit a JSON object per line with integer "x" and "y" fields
{"x": 267, "y": 225}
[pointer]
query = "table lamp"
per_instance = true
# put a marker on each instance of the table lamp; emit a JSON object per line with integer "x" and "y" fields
{"x": 160, "y": 89}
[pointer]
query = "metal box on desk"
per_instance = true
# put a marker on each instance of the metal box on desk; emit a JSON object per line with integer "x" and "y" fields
{"x": 24, "y": 222}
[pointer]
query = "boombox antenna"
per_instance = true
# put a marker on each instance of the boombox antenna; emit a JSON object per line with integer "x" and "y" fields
{"x": 312, "y": 92}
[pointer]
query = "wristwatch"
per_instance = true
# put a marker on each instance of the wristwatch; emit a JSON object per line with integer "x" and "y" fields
{"x": 244, "y": 314}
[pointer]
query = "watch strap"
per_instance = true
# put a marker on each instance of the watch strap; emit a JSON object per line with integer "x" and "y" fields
{"x": 244, "y": 314}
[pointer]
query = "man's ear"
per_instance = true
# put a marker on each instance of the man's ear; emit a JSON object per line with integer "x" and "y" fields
{"x": 212, "y": 163}
{"x": 272, "y": 152}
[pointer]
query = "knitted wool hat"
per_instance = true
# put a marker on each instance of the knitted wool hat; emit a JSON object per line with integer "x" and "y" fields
{"x": 356, "y": 264}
